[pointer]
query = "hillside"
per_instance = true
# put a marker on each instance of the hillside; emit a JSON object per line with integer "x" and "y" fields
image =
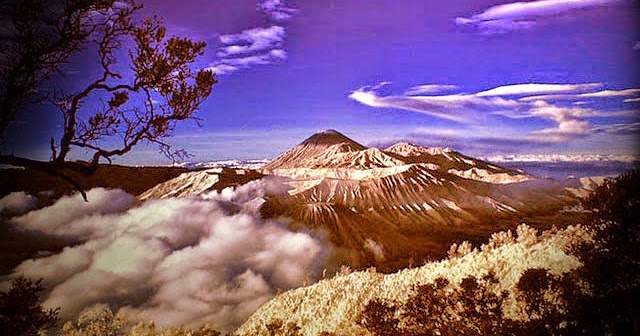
{"x": 133, "y": 180}
{"x": 335, "y": 305}
{"x": 582, "y": 279}
{"x": 405, "y": 203}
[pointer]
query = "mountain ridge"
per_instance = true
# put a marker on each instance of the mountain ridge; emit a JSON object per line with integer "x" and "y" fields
{"x": 323, "y": 152}
{"x": 383, "y": 207}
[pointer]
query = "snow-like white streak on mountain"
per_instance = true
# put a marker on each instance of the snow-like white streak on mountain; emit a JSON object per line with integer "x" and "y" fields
{"x": 488, "y": 177}
{"x": 206, "y": 258}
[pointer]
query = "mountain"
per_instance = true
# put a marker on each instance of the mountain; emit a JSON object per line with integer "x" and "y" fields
{"x": 405, "y": 202}
{"x": 333, "y": 155}
{"x": 391, "y": 207}
{"x": 329, "y": 141}
{"x": 200, "y": 181}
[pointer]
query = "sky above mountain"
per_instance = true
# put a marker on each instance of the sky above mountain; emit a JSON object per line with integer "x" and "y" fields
{"x": 483, "y": 77}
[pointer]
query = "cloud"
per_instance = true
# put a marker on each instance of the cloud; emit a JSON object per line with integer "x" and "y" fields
{"x": 187, "y": 261}
{"x": 525, "y": 15}
{"x": 252, "y": 40}
{"x": 256, "y": 46}
{"x": 261, "y": 59}
{"x": 567, "y": 119}
{"x": 535, "y": 88}
{"x": 234, "y": 64}
{"x": 429, "y": 88}
{"x": 621, "y": 128}
{"x": 597, "y": 94}
{"x": 455, "y": 107}
{"x": 222, "y": 69}
{"x": 277, "y": 10}
{"x": 60, "y": 219}
{"x": 17, "y": 202}
{"x": 475, "y": 109}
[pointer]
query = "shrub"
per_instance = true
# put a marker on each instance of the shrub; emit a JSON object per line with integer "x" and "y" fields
{"x": 21, "y": 312}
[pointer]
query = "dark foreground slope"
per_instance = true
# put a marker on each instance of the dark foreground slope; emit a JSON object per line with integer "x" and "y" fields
{"x": 133, "y": 180}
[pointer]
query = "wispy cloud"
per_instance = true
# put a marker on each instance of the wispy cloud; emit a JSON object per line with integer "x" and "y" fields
{"x": 535, "y": 88}
{"x": 429, "y": 88}
{"x": 277, "y": 9}
{"x": 475, "y": 109}
{"x": 568, "y": 119}
{"x": 524, "y": 15}
{"x": 597, "y": 94}
{"x": 256, "y": 46}
{"x": 622, "y": 128}
{"x": 456, "y": 107}
{"x": 251, "y": 40}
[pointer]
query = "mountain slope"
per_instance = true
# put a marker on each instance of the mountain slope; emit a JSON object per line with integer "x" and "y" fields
{"x": 387, "y": 207}
{"x": 403, "y": 202}
{"x": 200, "y": 181}
{"x": 335, "y": 305}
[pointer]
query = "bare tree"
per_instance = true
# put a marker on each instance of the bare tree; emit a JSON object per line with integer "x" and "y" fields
{"x": 145, "y": 104}
{"x": 145, "y": 82}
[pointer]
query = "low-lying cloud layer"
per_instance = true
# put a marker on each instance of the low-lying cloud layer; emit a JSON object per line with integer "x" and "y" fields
{"x": 189, "y": 261}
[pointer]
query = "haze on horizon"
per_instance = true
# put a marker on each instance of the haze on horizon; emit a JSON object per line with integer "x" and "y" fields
{"x": 482, "y": 77}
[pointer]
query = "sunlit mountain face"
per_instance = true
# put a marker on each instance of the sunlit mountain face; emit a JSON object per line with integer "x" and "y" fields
{"x": 395, "y": 206}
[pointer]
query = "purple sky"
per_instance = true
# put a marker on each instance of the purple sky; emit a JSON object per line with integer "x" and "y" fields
{"x": 483, "y": 77}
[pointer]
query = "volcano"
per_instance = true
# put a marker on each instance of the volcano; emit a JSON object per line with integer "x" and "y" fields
{"x": 406, "y": 202}
{"x": 390, "y": 207}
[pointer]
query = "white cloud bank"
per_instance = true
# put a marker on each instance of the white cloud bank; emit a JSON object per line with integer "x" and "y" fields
{"x": 188, "y": 261}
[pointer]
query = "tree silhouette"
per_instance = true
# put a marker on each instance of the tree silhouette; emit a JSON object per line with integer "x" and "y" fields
{"x": 20, "y": 310}
{"x": 38, "y": 38}
{"x": 144, "y": 86}
{"x": 143, "y": 105}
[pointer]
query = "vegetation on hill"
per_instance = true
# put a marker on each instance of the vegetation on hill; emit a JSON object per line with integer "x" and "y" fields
{"x": 598, "y": 298}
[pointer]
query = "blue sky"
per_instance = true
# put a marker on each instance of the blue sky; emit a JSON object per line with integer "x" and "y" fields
{"x": 483, "y": 77}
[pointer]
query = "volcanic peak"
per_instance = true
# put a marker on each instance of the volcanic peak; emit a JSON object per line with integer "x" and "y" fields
{"x": 331, "y": 137}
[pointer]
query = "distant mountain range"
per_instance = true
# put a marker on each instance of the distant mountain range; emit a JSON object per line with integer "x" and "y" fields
{"x": 557, "y": 166}
{"x": 563, "y": 158}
